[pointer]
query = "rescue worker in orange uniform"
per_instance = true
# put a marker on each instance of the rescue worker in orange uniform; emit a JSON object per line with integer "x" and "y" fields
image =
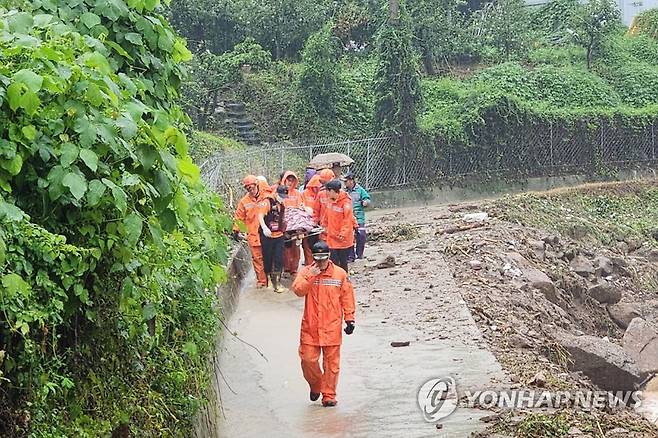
{"x": 321, "y": 201}
{"x": 247, "y": 213}
{"x": 339, "y": 223}
{"x": 291, "y": 253}
{"x": 310, "y": 195}
{"x": 329, "y": 299}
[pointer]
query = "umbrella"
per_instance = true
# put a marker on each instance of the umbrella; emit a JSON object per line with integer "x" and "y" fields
{"x": 326, "y": 161}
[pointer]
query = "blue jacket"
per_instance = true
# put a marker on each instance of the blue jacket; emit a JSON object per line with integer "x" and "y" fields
{"x": 358, "y": 195}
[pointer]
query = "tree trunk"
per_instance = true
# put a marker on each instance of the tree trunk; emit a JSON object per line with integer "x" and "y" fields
{"x": 428, "y": 62}
{"x": 394, "y": 11}
{"x": 590, "y": 51}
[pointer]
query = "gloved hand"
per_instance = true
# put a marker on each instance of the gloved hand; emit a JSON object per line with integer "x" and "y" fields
{"x": 349, "y": 327}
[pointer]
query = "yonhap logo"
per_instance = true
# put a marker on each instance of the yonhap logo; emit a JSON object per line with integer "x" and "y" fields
{"x": 437, "y": 398}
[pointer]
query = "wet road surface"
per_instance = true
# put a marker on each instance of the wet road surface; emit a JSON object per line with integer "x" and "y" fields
{"x": 378, "y": 385}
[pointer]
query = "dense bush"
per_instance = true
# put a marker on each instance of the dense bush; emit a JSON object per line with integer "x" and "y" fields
{"x": 110, "y": 246}
{"x": 646, "y": 23}
{"x": 205, "y": 144}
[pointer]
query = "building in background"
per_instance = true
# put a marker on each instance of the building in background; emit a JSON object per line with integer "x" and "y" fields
{"x": 629, "y": 8}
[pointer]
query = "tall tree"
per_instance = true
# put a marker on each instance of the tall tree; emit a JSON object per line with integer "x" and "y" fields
{"x": 437, "y": 27}
{"x": 397, "y": 81}
{"x": 594, "y": 22}
{"x": 506, "y": 27}
{"x": 319, "y": 73}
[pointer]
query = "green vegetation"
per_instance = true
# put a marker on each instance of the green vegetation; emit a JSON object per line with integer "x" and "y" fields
{"x": 110, "y": 246}
{"x": 205, "y": 144}
{"x": 605, "y": 213}
{"x": 558, "y": 423}
{"x": 502, "y": 68}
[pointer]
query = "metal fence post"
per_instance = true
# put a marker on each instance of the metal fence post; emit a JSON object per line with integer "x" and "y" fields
{"x": 368, "y": 165}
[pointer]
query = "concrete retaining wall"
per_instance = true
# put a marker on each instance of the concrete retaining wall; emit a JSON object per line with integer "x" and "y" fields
{"x": 470, "y": 191}
{"x": 207, "y": 421}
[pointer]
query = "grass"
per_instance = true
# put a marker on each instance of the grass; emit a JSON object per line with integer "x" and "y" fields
{"x": 601, "y": 213}
{"x": 205, "y": 144}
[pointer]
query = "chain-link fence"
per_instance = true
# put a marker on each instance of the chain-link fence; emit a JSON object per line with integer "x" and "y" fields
{"x": 374, "y": 163}
{"x": 381, "y": 163}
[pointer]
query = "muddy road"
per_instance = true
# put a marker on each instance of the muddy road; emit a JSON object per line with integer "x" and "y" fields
{"x": 448, "y": 288}
{"x": 413, "y": 299}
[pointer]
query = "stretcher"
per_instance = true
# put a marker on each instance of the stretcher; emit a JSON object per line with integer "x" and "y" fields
{"x": 292, "y": 235}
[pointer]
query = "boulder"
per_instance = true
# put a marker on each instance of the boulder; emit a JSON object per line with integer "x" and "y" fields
{"x": 603, "y": 266}
{"x": 605, "y": 293}
{"x": 542, "y": 282}
{"x": 620, "y": 266}
{"x": 606, "y": 364}
{"x": 641, "y": 343}
{"x": 581, "y": 266}
{"x": 623, "y": 313}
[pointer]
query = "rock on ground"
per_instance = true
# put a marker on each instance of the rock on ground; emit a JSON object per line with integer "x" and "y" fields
{"x": 582, "y": 266}
{"x": 641, "y": 343}
{"x": 606, "y": 364}
{"x": 605, "y": 293}
{"x": 623, "y": 313}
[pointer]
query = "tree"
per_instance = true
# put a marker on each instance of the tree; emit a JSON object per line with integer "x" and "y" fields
{"x": 506, "y": 27}
{"x": 319, "y": 74}
{"x": 594, "y": 21}
{"x": 437, "y": 28}
{"x": 397, "y": 81}
{"x": 281, "y": 26}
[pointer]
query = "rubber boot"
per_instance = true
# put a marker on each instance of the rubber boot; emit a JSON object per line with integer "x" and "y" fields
{"x": 276, "y": 283}
{"x": 276, "y": 277}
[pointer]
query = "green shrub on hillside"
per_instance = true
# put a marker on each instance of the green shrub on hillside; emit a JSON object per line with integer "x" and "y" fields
{"x": 571, "y": 88}
{"x": 636, "y": 83}
{"x": 110, "y": 246}
{"x": 204, "y": 144}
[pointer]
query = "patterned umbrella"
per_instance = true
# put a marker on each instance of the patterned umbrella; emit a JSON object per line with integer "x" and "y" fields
{"x": 326, "y": 161}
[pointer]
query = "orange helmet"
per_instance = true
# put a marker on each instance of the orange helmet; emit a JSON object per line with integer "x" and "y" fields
{"x": 327, "y": 175}
{"x": 249, "y": 180}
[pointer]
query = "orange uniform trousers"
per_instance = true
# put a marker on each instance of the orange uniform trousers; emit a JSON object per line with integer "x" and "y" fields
{"x": 308, "y": 254}
{"x": 321, "y": 380}
{"x": 259, "y": 268}
{"x": 291, "y": 258}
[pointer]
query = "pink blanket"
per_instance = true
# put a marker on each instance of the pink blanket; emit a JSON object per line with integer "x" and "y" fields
{"x": 298, "y": 219}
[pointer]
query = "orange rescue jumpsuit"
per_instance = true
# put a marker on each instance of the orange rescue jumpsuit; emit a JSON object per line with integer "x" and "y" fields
{"x": 329, "y": 300}
{"x": 247, "y": 212}
{"x": 295, "y": 199}
{"x": 339, "y": 222}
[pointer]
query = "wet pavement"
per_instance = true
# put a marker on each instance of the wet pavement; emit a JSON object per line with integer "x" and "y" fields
{"x": 377, "y": 390}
